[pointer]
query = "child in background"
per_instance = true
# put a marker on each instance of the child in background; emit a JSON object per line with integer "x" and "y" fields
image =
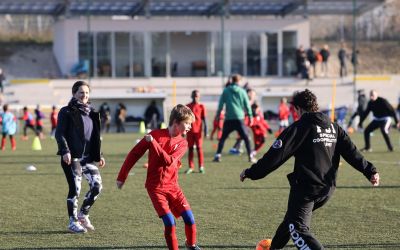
{"x": 283, "y": 112}
{"x": 259, "y": 127}
{"x": 194, "y": 136}
{"x": 53, "y": 121}
{"x": 166, "y": 148}
{"x": 217, "y": 126}
{"x": 9, "y": 127}
{"x": 29, "y": 123}
{"x": 39, "y": 121}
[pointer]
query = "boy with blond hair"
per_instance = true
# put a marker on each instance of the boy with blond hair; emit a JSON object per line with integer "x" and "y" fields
{"x": 166, "y": 148}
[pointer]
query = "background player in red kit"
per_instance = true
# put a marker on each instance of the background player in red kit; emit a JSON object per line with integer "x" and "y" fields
{"x": 194, "y": 136}
{"x": 166, "y": 148}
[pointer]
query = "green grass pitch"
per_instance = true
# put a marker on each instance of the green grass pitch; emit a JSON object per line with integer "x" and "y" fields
{"x": 229, "y": 214}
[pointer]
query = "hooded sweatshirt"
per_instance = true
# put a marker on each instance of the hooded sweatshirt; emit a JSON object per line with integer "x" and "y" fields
{"x": 236, "y": 101}
{"x": 317, "y": 144}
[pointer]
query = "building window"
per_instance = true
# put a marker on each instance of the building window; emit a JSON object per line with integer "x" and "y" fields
{"x": 122, "y": 61}
{"x": 138, "y": 55}
{"x": 272, "y": 53}
{"x": 85, "y": 41}
{"x": 103, "y": 54}
{"x": 158, "y": 53}
{"x": 253, "y": 54}
{"x": 289, "y": 53}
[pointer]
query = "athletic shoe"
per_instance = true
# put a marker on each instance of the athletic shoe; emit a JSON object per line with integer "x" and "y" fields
{"x": 189, "y": 171}
{"x": 194, "y": 247}
{"x": 85, "y": 222}
{"x": 202, "y": 170}
{"x": 366, "y": 150}
{"x": 76, "y": 227}
{"x": 217, "y": 158}
{"x": 252, "y": 160}
{"x": 234, "y": 151}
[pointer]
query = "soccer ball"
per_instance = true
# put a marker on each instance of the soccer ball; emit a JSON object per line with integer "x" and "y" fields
{"x": 264, "y": 244}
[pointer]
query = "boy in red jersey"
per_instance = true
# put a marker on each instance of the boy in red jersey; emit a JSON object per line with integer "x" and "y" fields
{"x": 166, "y": 148}
{"x": 217, "y": 126}
{"x": 260, "y": 127}
{"x": 194, "y": 136}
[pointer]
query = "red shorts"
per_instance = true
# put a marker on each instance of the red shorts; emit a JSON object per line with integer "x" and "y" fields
{"x": 166, "y": 201}
{"x": 194, "y": 139}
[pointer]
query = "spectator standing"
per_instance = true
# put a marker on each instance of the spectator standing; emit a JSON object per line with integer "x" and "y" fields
{"x": 325, "y": 56}
{"x": 105, "y": 117}
{"x": 53, "y": 121}
{"x": 194, "y": 136}
{"x": 383, "y": 113}
{"x": 78, "y": 139}
{"x": 236, "y": 102}
{"x": 312, "y": 58}
{"x": 152, "y": 116}
{"x": 166, "y": 148}
{"x": 9, "y": 127}
{"x": 317, "y": 145}
{"x": 120, "y": 116}
{"x": 342, "y": 55}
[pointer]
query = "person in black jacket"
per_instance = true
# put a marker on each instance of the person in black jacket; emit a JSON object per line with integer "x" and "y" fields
{"x": 78, "y": 139}
{"x": 317, "y": 144}
{"x": 383, "y": 113}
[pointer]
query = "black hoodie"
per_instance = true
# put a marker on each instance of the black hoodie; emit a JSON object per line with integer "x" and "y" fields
{"x": 317, "y": 144}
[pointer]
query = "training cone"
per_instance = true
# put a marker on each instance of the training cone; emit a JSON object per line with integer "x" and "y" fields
{"x": 36, "y": 144}
{"x": 163, "y": 125}
{"x": 142, "y": 128}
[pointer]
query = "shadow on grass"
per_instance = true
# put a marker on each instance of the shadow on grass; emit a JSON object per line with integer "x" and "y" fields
{"x": 349, "y": 246}
{"x": 282, "y": 188}
{"x": 34, "y": 233}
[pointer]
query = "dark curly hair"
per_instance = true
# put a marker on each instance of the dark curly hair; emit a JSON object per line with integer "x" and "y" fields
{"x": 305, "y": 100}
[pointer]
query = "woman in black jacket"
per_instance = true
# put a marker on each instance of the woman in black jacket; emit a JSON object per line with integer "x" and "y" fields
{"x": 78, "y": 139}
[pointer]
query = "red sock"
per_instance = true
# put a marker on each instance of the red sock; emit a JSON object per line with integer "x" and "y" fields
{"x": 190, "y": 157}
{"x": 13, "y": 143}
{"x": 190, "y": 232}
{"x": 3, "y": 142}
{"x": 170, "y": 238}
{"x": 200, "y": 154}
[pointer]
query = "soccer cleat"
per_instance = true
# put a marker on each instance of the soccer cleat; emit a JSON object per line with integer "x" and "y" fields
{"x": 194, "y": 247}
{"x": 189, "y": 171}
{"x": 202, "y": 170}
{"x": 85, "y": 222}
{"x": 76, "y": 227}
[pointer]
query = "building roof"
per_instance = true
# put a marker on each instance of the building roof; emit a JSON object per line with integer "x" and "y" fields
{"x": 186, "y": 7}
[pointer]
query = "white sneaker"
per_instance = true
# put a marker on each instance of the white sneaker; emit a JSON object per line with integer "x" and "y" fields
{"x": 76, "y": 227}
{"x": 85, "y": 222}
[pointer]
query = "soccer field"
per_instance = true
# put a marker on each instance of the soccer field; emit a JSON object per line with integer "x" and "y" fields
{"x": 229, "y": 214}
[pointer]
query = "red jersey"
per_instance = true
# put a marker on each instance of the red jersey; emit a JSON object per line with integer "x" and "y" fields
{"x": 199, "y": 112}
{"x": 53, "y": 118}
{"x": 295, "y": 116}
{"x": 283, "y": 111}
{"x": 164, "y": 158}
